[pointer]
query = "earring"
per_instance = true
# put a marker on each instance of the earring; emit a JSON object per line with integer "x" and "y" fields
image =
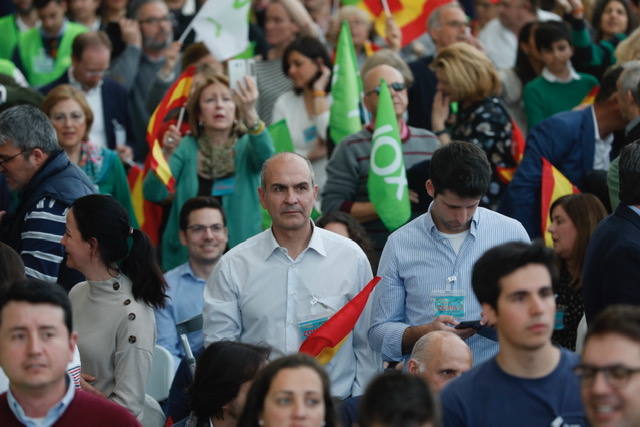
{"x": 260, "y": 422}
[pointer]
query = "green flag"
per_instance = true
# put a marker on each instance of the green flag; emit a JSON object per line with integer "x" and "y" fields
{"x": 281, "y": 136}
{"x": 344, "y": 115}
{"x": 387, "y": 182}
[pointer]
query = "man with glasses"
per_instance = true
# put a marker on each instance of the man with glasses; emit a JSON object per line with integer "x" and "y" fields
{"x": 610, "y": 366}
{"x": 47, "y": 183}
{"x": 150, "y": 55}
{"x": 203, "y": 233}
{"x": 530, "y": 382}
{"x": 348, "y": 169}
{"x": 447, "y": 24}
{"x": 90, "y": 57}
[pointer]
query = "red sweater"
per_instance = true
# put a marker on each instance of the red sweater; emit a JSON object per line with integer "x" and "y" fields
{"x": 84, "y": 409}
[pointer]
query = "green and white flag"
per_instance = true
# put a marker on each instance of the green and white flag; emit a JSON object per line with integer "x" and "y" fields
{"x": 223, "y": 26}
{"x": 344, "y": 115}
{"x": 387, "y": 182}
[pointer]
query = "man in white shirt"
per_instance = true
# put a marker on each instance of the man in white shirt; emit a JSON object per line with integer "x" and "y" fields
{"x": 283, "y": 283}
{"x": 500, "y": 36}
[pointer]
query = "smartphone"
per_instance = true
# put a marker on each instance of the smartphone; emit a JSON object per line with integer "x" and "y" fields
{"x": 474, "y": 324}
{"x": 238, "y": 68}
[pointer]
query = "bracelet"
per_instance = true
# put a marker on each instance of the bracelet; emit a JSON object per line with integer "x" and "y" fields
{"x": 257, "y": 128}
{"x": 440, "y": 132}
{"x": 319, "y": 93}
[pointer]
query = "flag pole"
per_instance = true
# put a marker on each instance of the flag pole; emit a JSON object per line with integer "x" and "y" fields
{"x": 186, "y": 31}
{"x": 180, "y": 118}
{"x": 385, "y": 6}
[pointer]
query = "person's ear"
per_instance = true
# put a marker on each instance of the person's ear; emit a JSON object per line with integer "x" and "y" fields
{"x": 261, "y": 193}
{"x": 73, "y": 341}
{"x": 183, "y": 237}
{"x": 490, "y": 313}
{"x": 431, "y": 190}
{"x": 38, "y": 156}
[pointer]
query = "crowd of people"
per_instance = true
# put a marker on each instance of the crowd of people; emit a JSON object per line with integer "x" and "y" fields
{"x": 500, "y": 300}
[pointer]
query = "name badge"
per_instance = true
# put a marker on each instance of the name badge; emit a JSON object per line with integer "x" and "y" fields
{"x": 559, "y": 322}
{"x": 308, "y": 327}
{"x": 450, "y": 303}
{"x": 310, "y": 134}
{"x": 43, "y": 63}
{"x": 224, "y": 186}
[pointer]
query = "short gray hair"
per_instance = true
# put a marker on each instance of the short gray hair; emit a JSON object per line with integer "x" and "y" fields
{"x": 265, "y": 165}
{"x": 424, "y": 344}
{"x": 390, "y": 58}
{"x": 630, "y": 78}
{"x": 434, "y": 19}
{"x": 27, "y": 127}
{"x": 134, "y": 7}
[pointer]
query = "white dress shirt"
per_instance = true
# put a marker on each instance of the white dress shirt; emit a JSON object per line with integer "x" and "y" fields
{"x": 602, "y": 150}
{"x": 501, "y": 44}
{"x": 97, "y": 135}
{"x": 257, "y": 294}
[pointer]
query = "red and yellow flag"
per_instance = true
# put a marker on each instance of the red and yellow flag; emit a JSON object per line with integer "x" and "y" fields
{"x": 410, "y": 15}
{"x": 176, "y": 97}
{"x": 517, "y": 151}
{"x": 590, "y": 97}
{"x": 148, "y": 214}
{"x": 553, "y": 186}
{"x": 325, "y": 342}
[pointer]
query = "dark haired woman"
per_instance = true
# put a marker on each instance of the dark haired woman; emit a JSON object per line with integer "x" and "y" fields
{"x": 612, "y": 22}
{"x": 573, "y": 219}
{"x": 296, "y": 378}
{"x": 113, "y": 309}
{"x": 306, "y": 107}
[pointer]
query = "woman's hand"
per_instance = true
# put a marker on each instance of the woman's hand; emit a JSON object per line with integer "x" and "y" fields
{"x": 319, "y": 150}
{"x": 394, "y": 35}
{"x": 322, "y": 81}
{"x": 170, "y": 141}
{"x": 126, "y": 154}
{"x": 246, "y": 95}
{"x": 439, "y": 111}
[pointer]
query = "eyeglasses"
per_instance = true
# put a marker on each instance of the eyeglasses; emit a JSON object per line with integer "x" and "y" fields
{"x": 201, "y": 229}
{"x": 161, "y": 20}
{"x": 75, "y": 117}
{"x": 617, "y": 376}
{"x": 4, "y": 160}
{"x": 396, "y": 86}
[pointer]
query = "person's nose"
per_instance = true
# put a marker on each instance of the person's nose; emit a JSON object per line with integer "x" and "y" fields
{"x": 299, "y": 409}
{"x": 34, "y": 344}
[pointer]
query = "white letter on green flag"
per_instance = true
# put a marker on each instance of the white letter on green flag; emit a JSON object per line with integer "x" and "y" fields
{"x": 387, "y": 182}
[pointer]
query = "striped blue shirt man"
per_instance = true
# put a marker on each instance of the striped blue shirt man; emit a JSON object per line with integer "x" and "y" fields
{"x": 426, "y": 273}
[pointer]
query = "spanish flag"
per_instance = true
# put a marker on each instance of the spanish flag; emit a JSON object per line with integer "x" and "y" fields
{"x": 325, "y": 342}
{"x": 517, "y": 151}
{"x": 553, "y": 186}
{"x": 589, "y": 98}
{"x": 409, "y": 15}
{"x": 176, "y": 97}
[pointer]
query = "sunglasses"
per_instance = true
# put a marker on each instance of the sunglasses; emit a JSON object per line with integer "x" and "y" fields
{"x": 397, "y": 87}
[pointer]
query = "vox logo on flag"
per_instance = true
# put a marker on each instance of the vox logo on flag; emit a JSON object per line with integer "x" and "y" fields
{"x": 387, "y": 182}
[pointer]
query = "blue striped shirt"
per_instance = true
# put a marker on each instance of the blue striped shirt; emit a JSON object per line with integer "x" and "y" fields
{"x": 43, "y": 229}
{"x": 418, "y": 261}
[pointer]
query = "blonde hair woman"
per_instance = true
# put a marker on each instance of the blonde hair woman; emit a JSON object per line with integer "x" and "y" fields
{"x": 467, "y": 77}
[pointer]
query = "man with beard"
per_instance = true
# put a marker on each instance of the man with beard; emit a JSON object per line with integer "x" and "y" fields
{"x": 514, "y": 283}
{"x": 204, "y": 234}
{"x": 149, "y": 53}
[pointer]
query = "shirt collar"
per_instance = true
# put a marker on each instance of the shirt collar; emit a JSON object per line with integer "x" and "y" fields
{"x": 316, "y": 243}
{"x": 549, "y": 76}
{"x": 405, "y": 132}
{"x": 433, "y": 230}
{"x": 54, "y": 413}
{"x": 187, "y": 271}
{"x": 60, "y": 33}
{"x": 635, "y": 209}
{"x": 609, "y": 138}
{"x": 77, "y": 84}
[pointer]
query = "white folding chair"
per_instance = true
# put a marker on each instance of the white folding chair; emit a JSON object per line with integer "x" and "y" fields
{"x": 161, "y": 375}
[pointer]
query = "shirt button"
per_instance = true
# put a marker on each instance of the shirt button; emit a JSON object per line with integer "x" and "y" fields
{"x": 116, "y": 286}
{"x": 127, "y": 302}
{"x": 132, "y": 316}
{"x": 132, "y": 339}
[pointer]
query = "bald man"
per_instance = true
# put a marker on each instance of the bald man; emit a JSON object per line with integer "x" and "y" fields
{"x": 439, "y": 357}
{"x": 277, "y": 287}
{"x": 348, "y": 169}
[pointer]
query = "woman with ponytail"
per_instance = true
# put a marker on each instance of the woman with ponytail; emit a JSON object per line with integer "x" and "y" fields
{"x": 113, "y": 309}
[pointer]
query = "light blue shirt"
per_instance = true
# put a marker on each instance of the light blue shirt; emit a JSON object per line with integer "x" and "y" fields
{"x": 53, "y": 414}
{"x": 185, "y": 301}
{"x": 417, "y": 263}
